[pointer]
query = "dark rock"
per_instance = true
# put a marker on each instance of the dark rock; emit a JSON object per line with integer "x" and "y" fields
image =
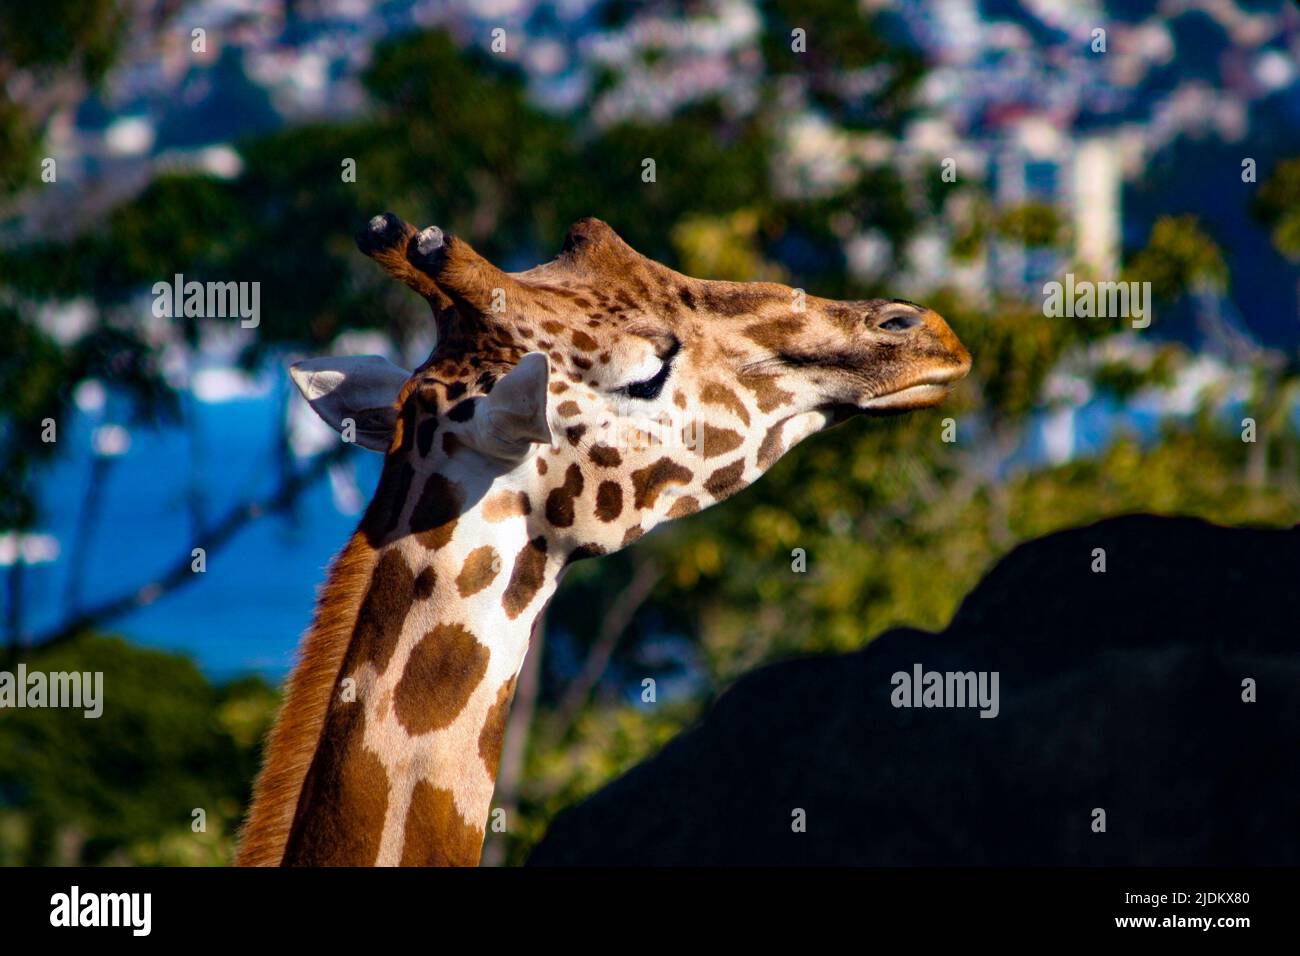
{"x": 1120, "y": 691}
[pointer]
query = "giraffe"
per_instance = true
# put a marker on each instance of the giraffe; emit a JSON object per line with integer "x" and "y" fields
{"x": 563, "y": 412}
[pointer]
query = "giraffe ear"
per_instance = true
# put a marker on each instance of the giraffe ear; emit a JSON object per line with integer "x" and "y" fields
{"x": 354, "y": 394}
{"x": 514, "y": 415}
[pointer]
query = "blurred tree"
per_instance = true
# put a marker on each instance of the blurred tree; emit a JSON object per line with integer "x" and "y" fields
{"x": 724, "y": 247}
{"x": 1033, "y": 224}
{"x": 1278, "y": 206}
{"x": 1179, "y": 257}
{"x": 852, "y": 68}
{"x": 706, "y": 163}
{"x": 123, "y": 787}
{"x": 51, "y": 51}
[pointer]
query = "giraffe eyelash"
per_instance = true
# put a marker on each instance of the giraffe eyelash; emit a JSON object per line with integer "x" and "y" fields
{"x": 650, "y": 389}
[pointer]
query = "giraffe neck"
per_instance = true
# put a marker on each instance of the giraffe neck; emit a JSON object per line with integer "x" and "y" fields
{"x": 405, "y": 767}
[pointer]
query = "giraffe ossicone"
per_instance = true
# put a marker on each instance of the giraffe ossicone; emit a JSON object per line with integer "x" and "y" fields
{"x": 429, "y": 241}
{"x": 564, "y": 412}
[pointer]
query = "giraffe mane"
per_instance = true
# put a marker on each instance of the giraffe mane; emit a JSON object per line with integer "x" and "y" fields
{"x": 295, "y": 736}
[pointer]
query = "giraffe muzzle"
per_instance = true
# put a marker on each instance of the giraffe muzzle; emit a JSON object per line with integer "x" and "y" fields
{"x": 943, "y": 362}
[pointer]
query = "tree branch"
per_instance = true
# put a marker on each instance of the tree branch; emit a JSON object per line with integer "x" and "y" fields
{"x": 518, "y": 724}
{"x": 179, "y": 573}
{"x": 645, "y": 576}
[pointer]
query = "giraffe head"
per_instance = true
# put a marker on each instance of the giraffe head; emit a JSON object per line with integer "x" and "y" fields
{"x": 602, "y": 393}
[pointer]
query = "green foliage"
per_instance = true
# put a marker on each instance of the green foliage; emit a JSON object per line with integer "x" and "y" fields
{"x": 1017, "y": 347}
{"x": 32, "y": 373}
{"x": 724, "y": 247}
{"x": 58, "y": 33}
{"x": 1179, "y": 258}
{"x": 970, "y": 226}
{"x": 53, "y": 43}
{"x": 37, "y": 376}
{"x": 18, "y": 143}
{"x": 976, "y": 221}
{"x": 1033, "y": 224}
{"x": 607, "y": 740}
{"x": 1278, "y": 206}
{"x": 122, "y": 787}
{"x": 844, "y": 47}
{"x": 703, "y": 166}
{"x": 1122, "y": 380}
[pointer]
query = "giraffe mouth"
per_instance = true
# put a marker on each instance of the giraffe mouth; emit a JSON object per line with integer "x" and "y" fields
{"x": 924, "y": 395}
{"x": 927, "y": 391}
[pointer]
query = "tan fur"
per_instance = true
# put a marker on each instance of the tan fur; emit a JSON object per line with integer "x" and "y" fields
{"x": 296, "y": 734}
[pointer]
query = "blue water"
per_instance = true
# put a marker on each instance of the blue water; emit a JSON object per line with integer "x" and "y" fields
{"x": 247, "y": 611}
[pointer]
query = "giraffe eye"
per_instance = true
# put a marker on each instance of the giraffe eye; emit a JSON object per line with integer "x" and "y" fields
{"x": 649, "y": 389}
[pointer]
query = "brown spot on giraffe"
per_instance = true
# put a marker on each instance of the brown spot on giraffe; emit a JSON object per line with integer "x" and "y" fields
{"x": 773, "y": 335}
{"x": 435, "y": 514}
{"x": 609, "y": 500}
{"x": 772, "y": 447}
{"x": 605, "y": 456}
{"x": 441, "y": 673}
{"x": 770, "y": 395}
{"x": 481, "y": 567}
{"x": 505, "y": 505}
{"x": 559, "y": 503}
{"x": 493, "y": 735}
{"x": 715, "y": 394}
{"x": 647, "y": 482}
{"x": 424, "y": 436}
{"x": 527, "y": 577}
{"x": 726, "y": 481}
{"x": 735, "y": 298}
{"x": 435, "y": 832}
{"x": 388, "y": 601}
{"x": 585, "y": 551}
{"x": 464, "y": 411}
{"x": 390, "y": 499}
{"x": 686, "y": 505}
{"x": 716, "y": 441}
{"x": 349, "y": 784}
{"x": 425, "y": 583}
